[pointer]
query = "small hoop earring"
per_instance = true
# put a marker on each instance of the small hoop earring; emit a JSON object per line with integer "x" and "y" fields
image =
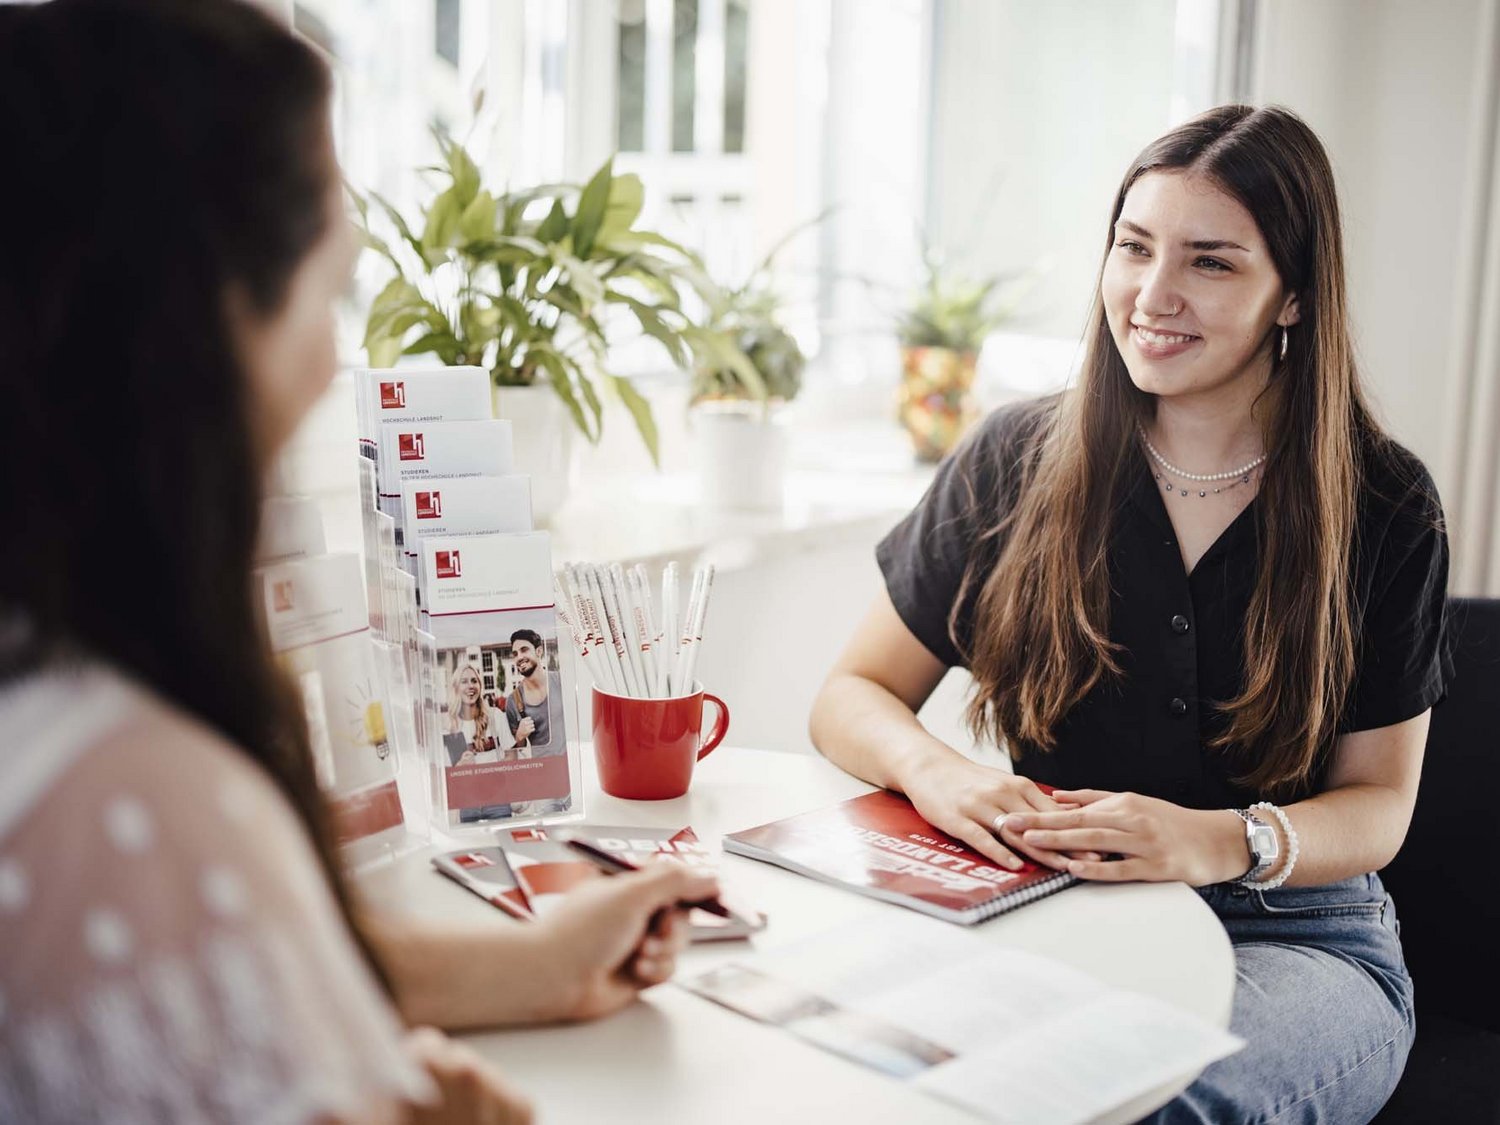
{"x": 1283, "y": 341}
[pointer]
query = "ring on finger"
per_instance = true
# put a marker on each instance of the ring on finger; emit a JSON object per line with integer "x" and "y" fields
{"x": 999, "y": 823}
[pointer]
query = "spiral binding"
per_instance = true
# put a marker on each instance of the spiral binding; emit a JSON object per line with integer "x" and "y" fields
{"x": 1014, "y": 899}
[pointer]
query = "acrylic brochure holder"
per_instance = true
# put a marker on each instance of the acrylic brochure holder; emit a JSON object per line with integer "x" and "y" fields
{"x": 460, "y": 595}
{"x": 318, "y": 625}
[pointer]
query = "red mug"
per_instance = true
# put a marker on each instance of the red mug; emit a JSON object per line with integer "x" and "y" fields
{"x": 646, "y": 748}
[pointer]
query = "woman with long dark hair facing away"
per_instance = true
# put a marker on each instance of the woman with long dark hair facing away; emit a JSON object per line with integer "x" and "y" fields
{"x": 1201, "y": 595}
{"x": 178, "y": 943}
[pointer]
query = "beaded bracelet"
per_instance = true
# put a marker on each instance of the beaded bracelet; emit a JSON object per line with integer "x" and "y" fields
{"x": 1292, "y": 849}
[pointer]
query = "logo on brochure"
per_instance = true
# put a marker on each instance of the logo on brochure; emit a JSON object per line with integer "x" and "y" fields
{"x": 448, "y": 565}
{"x": 281, "y": 596}
{"x": 429, "y": 505}
{"x": 411, "y": 447}
{"x": 473, "y": 859}
{"x": 393, "y": 396}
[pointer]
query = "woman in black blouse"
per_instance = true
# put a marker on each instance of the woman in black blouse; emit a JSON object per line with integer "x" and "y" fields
{"x": 1199, "y": 582}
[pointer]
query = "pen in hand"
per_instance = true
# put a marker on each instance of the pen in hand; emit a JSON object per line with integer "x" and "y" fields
{"x": 614, "y": 864}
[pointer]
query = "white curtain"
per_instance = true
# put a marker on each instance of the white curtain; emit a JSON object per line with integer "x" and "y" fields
{"x": 1473, "y": 449}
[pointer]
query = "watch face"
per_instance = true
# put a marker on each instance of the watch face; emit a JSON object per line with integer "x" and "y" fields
{"x": 1264, "y": 843}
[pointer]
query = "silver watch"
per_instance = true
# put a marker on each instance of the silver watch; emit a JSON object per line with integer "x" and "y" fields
{"x": 1263, "y": 844}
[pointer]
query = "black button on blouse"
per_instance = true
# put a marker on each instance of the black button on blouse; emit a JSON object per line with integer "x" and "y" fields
{"x": 1148, "y": 731}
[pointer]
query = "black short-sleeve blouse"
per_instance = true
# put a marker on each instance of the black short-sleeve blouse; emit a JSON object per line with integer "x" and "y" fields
{"x": 1181, "y": 634}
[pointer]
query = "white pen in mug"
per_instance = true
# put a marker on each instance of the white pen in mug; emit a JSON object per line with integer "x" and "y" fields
{"x": 669, "y": 624}
{"x": 631, "y": 645}
{"x": 624, "y": 630}
{"x": 653, "y": 626}
{"x": 603, "y": 670}
{"x": 569, "y": 614}
{"x": 705, "y": 590}
{"x": 630, "y": 612}
{"x": 687, "y": 642}
{"x": 609, "y": 614}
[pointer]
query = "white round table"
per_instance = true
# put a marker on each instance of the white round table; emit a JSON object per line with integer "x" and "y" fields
{"x": 675, "y": 1057}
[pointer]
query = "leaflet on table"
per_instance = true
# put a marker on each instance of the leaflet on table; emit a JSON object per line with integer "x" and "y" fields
{"x": 528, "y": 875}
{"x": 463, "y": 506}
{"x": 410, "y": 452}
{"x": 291, "y": 527}
{"x": 1010, "y": 1035}
{"x": 318, "y": 626}
{"x": 506, "y": 706}
{"x": 417, "y": 394}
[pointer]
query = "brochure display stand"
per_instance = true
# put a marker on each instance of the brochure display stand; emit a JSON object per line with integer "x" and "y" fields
{"x": 461, "y": 599}
{"x": 318, "y": 627}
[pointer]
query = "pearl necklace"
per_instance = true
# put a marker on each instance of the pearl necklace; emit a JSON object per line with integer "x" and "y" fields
{"x": 1239, "y": 476}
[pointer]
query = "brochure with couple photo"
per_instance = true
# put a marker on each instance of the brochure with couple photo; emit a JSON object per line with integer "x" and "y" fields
{"x": 506, "y": 705}
{"x": 530, "y": 871}
{"x": 319, "y": 628}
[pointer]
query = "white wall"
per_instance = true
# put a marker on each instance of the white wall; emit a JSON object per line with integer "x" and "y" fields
{"x": 1059, "y": 96}
{"x": 1037, "y": 110}
{"x": 1389, "y": 86}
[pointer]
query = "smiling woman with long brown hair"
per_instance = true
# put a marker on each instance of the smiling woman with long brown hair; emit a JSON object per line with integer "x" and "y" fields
{"x": 1200, "y": 581}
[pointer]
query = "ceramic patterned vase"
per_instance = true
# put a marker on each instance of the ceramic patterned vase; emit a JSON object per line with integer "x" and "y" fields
{"x": 937, "y": 398}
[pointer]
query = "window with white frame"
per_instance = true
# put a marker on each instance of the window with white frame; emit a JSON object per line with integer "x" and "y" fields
{"x": 680, "y": 103}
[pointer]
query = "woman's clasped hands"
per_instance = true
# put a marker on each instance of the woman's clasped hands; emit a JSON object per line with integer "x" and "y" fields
{"x": 1154, "y": 840}
{"x": 968, "y": 801}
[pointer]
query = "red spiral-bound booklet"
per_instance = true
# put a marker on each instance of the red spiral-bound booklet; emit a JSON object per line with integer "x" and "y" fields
{"x": 880, "y": 846}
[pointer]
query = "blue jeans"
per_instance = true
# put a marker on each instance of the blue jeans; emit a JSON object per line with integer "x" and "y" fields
{"x": 1323, "y": 1000}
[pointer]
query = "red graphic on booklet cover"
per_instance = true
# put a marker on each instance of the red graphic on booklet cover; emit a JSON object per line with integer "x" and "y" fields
{"x": 281, "y": 596}
{"x": 448, "y": 565}
{"x": 473, "y": 859}
{"x": 411, "y": 446}
{"x": 392, "y": 396}
{"x": 429, "y": 505}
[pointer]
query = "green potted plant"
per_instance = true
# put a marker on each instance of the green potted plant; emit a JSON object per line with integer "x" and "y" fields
{"x": 941, "y": 332}
{"x": 531, "y": 284}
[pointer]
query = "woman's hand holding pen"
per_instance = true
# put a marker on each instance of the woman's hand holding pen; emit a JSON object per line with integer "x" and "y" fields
{"x": 1156, "y": 840}
{"x": 965, "y": 799}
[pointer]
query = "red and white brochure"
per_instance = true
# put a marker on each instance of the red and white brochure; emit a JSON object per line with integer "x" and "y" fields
{"x": 532, "y": 871}
{"x": 462, "y": 506}
{"x": 503, "y": 689}
{"x": 417, "y": 394}
{"x": 485, "y": 872}
{"x": 880, "y": 846}
{"x": 416, "y": 451}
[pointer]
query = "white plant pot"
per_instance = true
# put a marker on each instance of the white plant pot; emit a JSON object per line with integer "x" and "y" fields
{"x": 545, "y": 444}
{"x": 741, "y": 456}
